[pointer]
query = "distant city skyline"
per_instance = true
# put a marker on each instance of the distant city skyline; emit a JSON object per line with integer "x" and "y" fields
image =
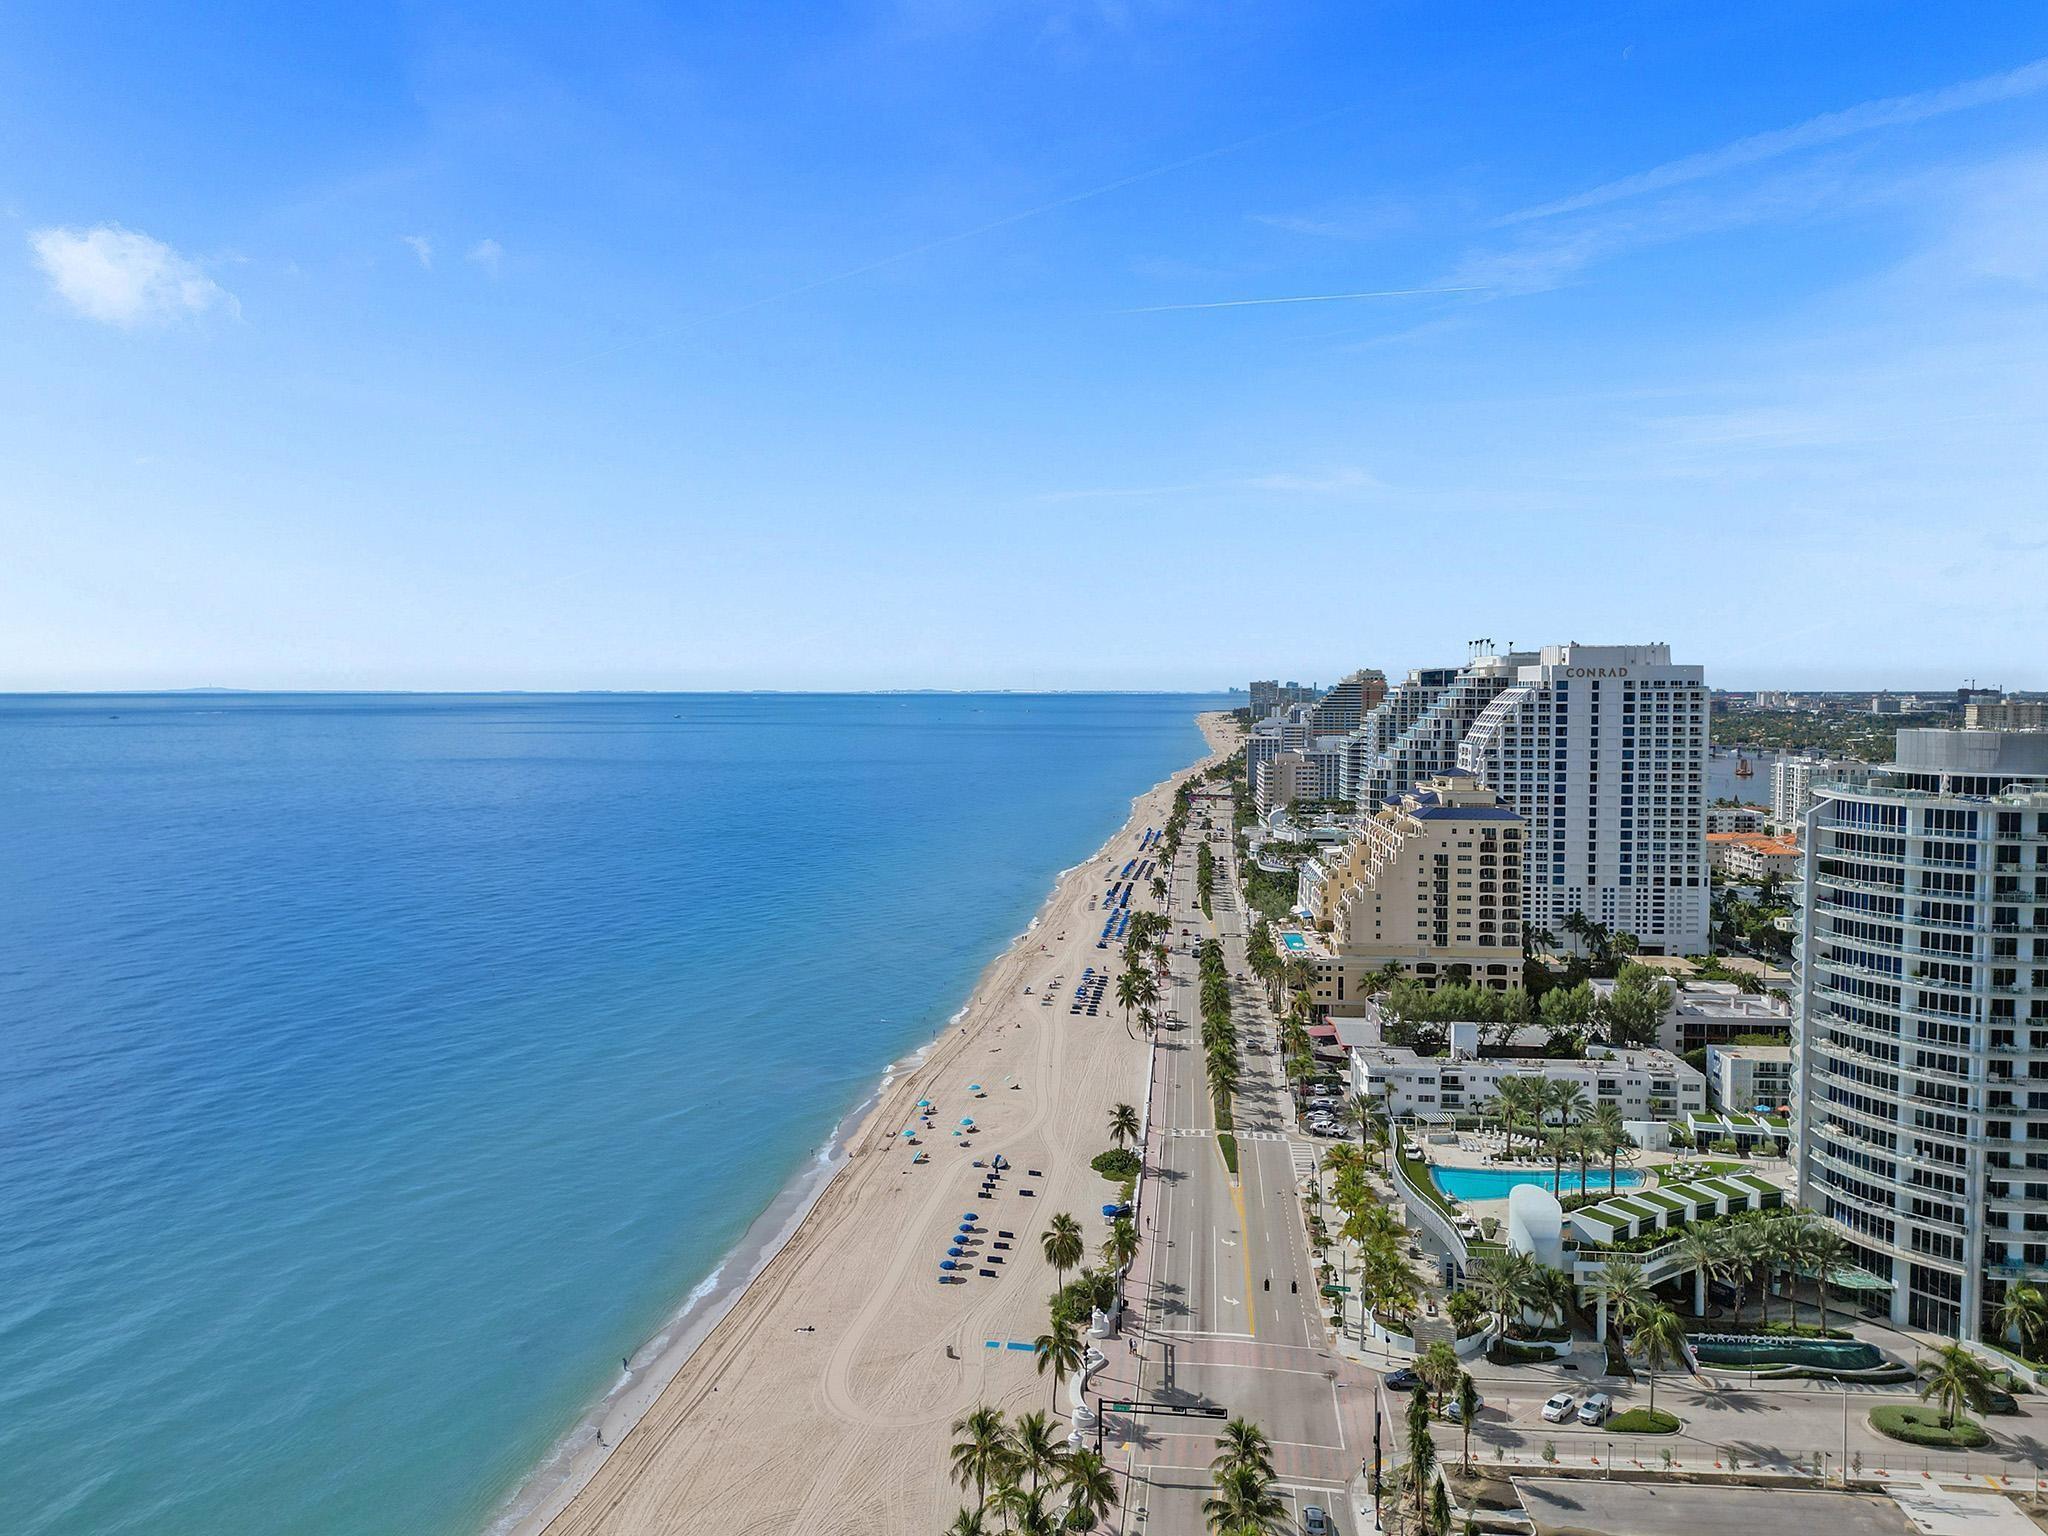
{"x": 1064, "y": 345}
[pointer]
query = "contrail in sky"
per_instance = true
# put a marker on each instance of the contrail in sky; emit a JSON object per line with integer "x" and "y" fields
{"x": 976, "y": 231}
{"x": 1305, "y": 298}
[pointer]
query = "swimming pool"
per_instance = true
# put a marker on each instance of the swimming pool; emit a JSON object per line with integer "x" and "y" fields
{"x": 1494, "y": 1183}
{"x": 1294, "y": 941}
{"x": 1763, "y": 1349}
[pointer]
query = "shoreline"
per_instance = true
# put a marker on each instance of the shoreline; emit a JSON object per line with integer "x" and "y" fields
{"x": 550, "y": 1490}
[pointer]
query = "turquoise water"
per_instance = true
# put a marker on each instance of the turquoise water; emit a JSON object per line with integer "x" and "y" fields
{"x": 1762, "y": 1349}
{"x": 1294, "y": 941}
{"x": 1494, "y": 1183}
{"x": 380, "y": 1071}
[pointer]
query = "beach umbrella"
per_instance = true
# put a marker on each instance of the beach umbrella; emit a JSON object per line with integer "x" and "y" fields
{"x": 970, "y": 1216}
{"x": 967, "y": 1119}
{"x": 924, "y": 1103}
{"x": 947, "y": 1264}
{"x": 911, "y": 1132}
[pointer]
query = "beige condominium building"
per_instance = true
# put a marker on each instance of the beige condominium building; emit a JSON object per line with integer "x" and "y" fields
{"x": 1432, "y": 882}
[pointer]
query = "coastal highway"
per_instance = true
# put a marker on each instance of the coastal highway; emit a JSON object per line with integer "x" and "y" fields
{"x": 1224, "y": 1304}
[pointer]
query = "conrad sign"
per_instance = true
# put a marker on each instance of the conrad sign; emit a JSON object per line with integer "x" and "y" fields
{"x": 1596, "y": 671}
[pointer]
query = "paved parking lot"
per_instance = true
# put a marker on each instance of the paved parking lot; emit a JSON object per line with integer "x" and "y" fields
{"x": 1582, "y": 1507}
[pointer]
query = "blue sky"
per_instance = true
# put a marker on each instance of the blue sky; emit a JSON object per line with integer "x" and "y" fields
{"x": 865, "y": 345}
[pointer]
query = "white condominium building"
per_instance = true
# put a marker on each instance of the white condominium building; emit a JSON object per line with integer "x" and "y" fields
{"x": 1792, "y": 781}
{"x": 1430, "y": 745}
{"x": 1921, "y": 1048}
{"x": 1603, "y": 751}
{"x": 1386, "y": 722}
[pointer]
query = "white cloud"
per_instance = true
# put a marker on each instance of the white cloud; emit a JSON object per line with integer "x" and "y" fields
{"x": 120, "y": 277}
{"x": 487, "y": 254}
{"x": 1891, "y": 112}
{"x": 422, "y": 247}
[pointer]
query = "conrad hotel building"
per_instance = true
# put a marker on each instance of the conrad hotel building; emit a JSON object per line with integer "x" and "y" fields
{"x": 1602, "y": 749}
{"x": 1921, "y": 1046}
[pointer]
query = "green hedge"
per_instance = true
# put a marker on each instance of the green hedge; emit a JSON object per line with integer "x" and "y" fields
{"x": 1642, "y": 1421}
{"x": 1228, "y": 1143}
{"x": 1116, "y": 1163}
{"x": 1923, "y": 1426}
{"x": 1508, "y": 1352}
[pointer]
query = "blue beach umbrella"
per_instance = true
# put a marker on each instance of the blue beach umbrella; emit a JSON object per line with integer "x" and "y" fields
{"x": 970, "y": 1216}
{"x": 967, "y": 1119}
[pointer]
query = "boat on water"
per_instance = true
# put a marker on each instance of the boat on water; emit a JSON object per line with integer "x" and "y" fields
{"x": 1743, "y": 768}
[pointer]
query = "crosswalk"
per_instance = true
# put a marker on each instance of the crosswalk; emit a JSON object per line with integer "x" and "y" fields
{"x": 1203, "y": 1130}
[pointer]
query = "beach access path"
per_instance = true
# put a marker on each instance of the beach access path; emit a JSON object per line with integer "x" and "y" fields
{"x": 846, "y": 1429}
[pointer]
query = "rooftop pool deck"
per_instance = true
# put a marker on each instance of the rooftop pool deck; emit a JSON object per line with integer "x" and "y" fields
{"x": 1494, "y": 1183}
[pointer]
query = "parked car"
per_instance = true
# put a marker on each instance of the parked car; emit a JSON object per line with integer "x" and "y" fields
{"x": 1561, "y": 1406}
{"x": 1403, "y": 1380}
{"x": 1456, "y": 1414}
{"x": 1314, "y": 1520}
{"x": 1595, "y": 1409}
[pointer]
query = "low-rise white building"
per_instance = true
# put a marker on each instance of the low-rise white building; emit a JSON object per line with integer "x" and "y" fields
{"x": 1644, "y": 1084}
{"x": 1735, "y": 818}
{"x": 1709, "y": 1013}
{"x": 1749, "y": 1077}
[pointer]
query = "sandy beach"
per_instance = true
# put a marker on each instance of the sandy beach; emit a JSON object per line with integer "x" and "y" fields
{"x": 821, "y": 1400}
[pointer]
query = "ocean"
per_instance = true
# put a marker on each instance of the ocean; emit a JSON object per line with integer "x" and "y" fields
{"x": 376, "y": 1072}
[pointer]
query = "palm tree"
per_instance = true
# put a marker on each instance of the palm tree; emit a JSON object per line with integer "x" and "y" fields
{"x": 1244, "y": 1445}
{"x": 980, "y": 1452}
{"x": 1660, "y": 1336}
{"x": 1820, "y": 1251}
{"x": 1566, "y": 1100}
{"x": 1553, "y": 1292}
{"x": 1706, "y": 1250}
{"x": 1121, "y": 1246}
{"x": 1024, "y": 1512}
{"x": 1123, "y": 1124}
{"x": 1611, "y": 1131}
{"x": 1504, "y": 1281}
{"x": 1244, "y": 1504}
{"x": 1622, "y": 1287}
{"x": 1059, "y": 1351}
{"x": 2023, "y": 1317}
{"x": 1035, "y": 1450}
{"x": 1129, "y": 993}
{"x": 1955, "y": 1380}
{"x": 1747, "y": 1243}
{"x": 1439, "y": 1369}
{"x": 967, "y": 1523}
{"x": 1090, "y": 1488}
{"x": 1421, "y": 1447}
{"x": 1468, "y": 1410}
{"x": 1063, "y": 1245}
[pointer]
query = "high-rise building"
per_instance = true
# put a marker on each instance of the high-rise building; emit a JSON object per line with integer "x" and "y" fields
{"x": 1792, "y": 781}
{"x": 1339, "y": 711}
{"x": 1431, "y": 883}
{"x": 1921, "y": 1040}
{"x": 1430, "y": 745}
{"x": 1383, "y": 725}
{"x": 1603, "y": 751}
{"x": 1268, "y": 696}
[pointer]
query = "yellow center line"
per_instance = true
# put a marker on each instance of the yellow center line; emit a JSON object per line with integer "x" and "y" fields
{"x": 1244, "y": 1234}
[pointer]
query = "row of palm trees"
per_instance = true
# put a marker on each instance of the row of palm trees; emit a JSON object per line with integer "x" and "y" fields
{"x": 1219, "y": 1030}
{"x": 1023, "y": 1475}
{"x": 1759, "y": 1246}
{"x": 1560, "y": 1121}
